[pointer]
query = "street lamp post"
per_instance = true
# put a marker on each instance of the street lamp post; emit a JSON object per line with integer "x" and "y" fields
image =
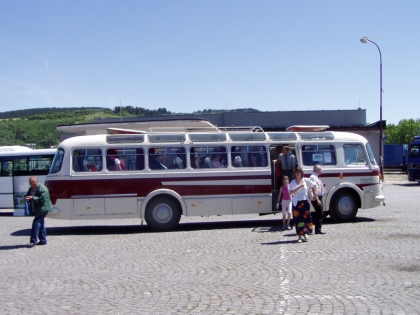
{"x": 365, "y": 40}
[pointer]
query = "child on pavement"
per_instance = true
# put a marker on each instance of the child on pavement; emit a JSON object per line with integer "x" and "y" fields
{"x": 286, "y": 203}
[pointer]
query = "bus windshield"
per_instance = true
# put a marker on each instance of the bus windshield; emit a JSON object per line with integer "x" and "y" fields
{"x": 414, "y": 150}
{"x": 370, "y": 154}
{"x": 58, "y": 161}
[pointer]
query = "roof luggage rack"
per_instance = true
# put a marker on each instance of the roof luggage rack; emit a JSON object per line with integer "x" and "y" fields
{"x": 307, "y": 128}
{"x": 169, "y": 130}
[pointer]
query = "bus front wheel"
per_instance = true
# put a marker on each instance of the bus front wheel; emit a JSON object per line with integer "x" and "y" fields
{"x": 344, "y": 207}
{"x": 162, "y": 214}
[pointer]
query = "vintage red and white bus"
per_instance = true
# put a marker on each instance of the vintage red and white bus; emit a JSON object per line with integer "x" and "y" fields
{"x": 160, "y": 175}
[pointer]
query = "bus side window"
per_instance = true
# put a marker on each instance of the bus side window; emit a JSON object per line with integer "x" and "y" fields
{"x": 77, "y": 161}
{"x": 125, "y": 159}
{"x": 176, "y": 158}
{"x": 318, "y": 154}
{"x": 354, "y": 154}
{"x": 208, "y": 157}
{"x": 236, "y": 156}
{"x": 6, "y": 168}
{"x": 258, "y": 157}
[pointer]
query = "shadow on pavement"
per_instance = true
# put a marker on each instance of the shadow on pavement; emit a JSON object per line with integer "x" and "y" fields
{"x": 9, "y": 247}
{"x": 133, "y": 229}
{"x": 409, "y": 184}
{"x": 355, "y": 220}
{"x": 281, "y": 242}
{"x": 266, "y": 226}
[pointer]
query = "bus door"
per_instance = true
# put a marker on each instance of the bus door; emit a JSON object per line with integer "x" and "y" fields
{"x": 6, "y": 184}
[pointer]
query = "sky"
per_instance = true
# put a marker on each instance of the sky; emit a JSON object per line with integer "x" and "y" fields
{"x": 189, "y": 55}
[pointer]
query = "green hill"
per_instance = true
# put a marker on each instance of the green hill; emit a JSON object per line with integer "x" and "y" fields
{"x": 38, "y": 125}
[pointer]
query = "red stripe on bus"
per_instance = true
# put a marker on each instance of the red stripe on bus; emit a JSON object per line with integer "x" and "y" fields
{"x": 65, "y": 189}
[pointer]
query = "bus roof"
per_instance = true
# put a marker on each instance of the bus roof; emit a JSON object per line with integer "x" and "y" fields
{"x": 14, "y": 148}
{"x": 27, "y": 152}
{"x": 211, "y": 138}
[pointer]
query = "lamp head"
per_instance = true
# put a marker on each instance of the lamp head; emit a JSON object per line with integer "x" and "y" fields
{"x": 365, "y": 39}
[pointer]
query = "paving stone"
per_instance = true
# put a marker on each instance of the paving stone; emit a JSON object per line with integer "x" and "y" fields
{"x": 239, "y": 264}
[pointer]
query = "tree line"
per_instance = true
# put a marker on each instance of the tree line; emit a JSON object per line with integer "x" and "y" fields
{"x": 403, "y": 132}
{"x": 38, "y": 125}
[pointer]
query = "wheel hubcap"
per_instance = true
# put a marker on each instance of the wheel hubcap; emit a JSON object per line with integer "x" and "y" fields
{"x": 162, "y": 213}
{"x": 345, "y": 206}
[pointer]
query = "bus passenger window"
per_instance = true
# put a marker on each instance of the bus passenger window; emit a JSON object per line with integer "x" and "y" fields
{"x": 237, "y": 155}
{"x": 354, "y": 154}
{"x": 125, "y": 159}
{"x": 156, "y": 159}
{"x": 6, "y": 168}
{"x": 208, "y": 157}
{"x": 175, "y": 157}
{"x": 87, "y": 160}
{"x": 318, "y": 154}
{"x": 89, "y": 164}
{"x": 258, "y": 156}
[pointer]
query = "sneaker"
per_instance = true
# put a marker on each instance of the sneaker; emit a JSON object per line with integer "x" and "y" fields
{"x": 30, "y": 245}
{"x": 299, "y": 241}
{"x": 289, "y": 227}
{"x": 41, "y": 243}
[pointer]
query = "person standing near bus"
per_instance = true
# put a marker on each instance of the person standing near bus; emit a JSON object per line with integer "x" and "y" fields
{"x": 317, "y": 202}
{"x": 286, "y": 203}
{"x": 301, "y": 207}
{"x": 287, "y": 162}
{"x": 39, "y": 198}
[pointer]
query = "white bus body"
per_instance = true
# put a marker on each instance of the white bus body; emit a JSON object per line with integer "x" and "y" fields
{"x": 159, "y": 176}
{"x": 17, "y": 165}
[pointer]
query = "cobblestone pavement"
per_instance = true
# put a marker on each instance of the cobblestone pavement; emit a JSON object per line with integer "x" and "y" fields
{"x": 218, "y": 265}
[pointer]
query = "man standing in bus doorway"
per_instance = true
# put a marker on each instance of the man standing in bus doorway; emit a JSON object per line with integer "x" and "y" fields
{"x": 39, "y": 198}
{"x": 287, "y": 163}
{"x": 317, "y": 201}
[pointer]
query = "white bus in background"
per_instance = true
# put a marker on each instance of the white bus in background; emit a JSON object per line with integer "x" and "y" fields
{"x": 18, "y": 163}
{"x": 168, "y": 173}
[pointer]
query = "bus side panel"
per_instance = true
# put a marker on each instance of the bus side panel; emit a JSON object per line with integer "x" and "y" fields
{"x": 63, "y": 209}
{"x": 6, "y": 192}
{"x": 210, "y": 205}
{"x": 89, "y": 206}
{"x": 120, "y": 206}
{"x": 369, "y": 195}
{"x": 247, "y": 205}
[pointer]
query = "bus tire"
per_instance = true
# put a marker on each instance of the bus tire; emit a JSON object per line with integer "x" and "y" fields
{"x": 162, "y": 214}
{"x": 344, "y": 207}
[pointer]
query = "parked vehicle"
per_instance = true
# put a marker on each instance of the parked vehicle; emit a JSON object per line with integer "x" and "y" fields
{"x": 413, "y": 160}
{"x": 395, "y": 156}
{"x": 17, "y": 165}
{"x": 223, "y": 171}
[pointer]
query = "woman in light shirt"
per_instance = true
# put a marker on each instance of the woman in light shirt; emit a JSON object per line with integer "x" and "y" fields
{"x": 301, "y": 206}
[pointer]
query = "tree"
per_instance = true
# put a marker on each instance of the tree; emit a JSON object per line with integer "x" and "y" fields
{"x": 404, "y": 132}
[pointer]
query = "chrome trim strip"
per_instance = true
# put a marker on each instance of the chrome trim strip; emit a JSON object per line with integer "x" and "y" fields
{"x": 103, "y": 196}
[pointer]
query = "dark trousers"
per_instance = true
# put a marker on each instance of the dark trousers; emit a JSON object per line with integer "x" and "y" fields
{"x": 38, "y": 230}
{"x": 318, "y": 215}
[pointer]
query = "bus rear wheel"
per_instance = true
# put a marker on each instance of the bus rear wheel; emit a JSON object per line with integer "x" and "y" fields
{"x": 162, "y": 214}
{"x": 344, "y": 207}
